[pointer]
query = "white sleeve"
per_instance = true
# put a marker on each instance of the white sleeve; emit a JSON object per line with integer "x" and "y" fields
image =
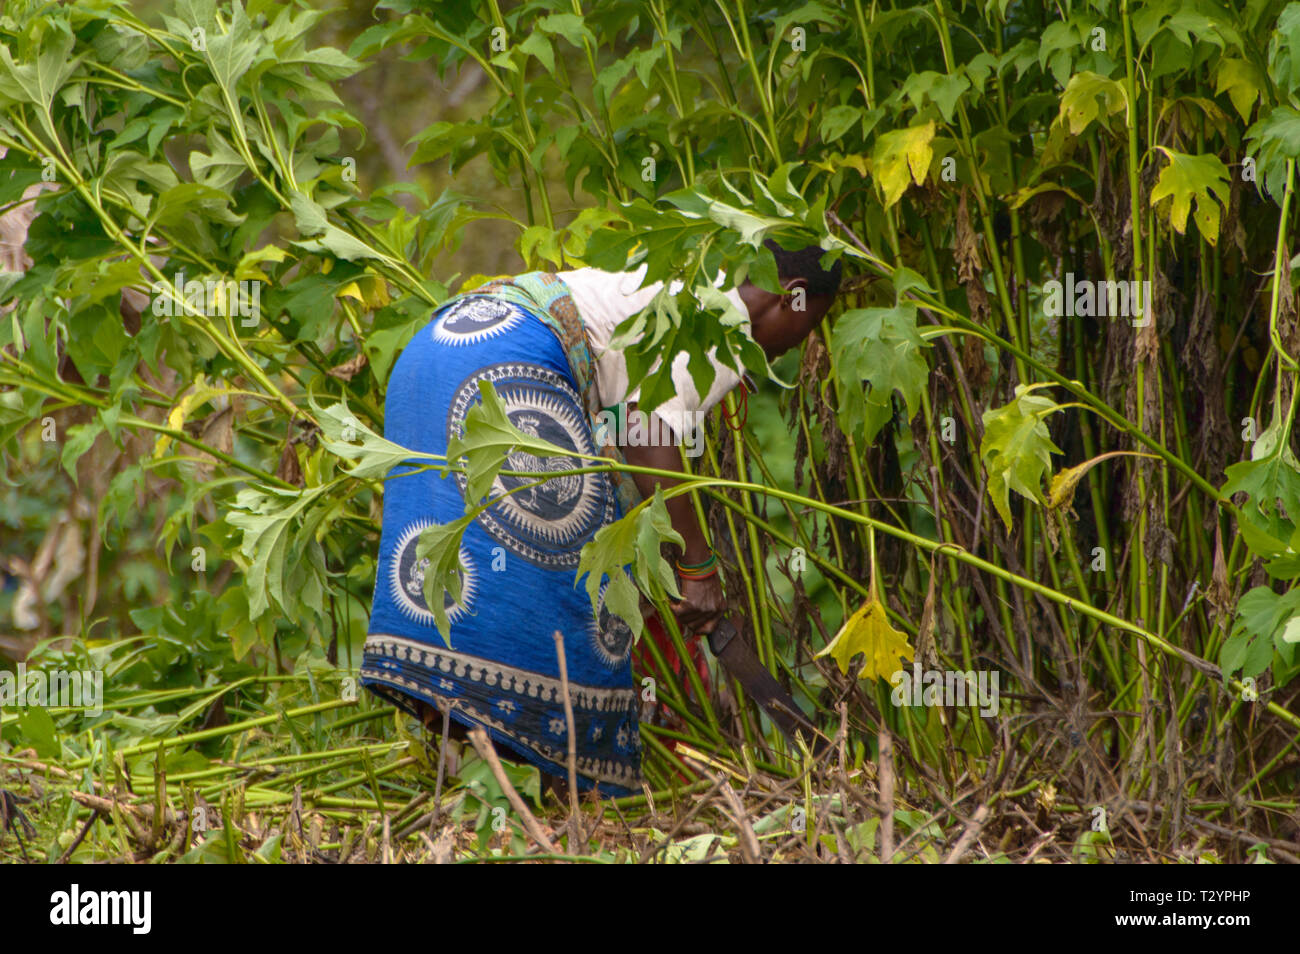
{"x": 684, "y": 412}
{"x": 605, "y": 299}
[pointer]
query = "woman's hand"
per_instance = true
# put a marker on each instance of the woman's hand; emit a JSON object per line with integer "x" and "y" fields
{"x": 701, "y": 606}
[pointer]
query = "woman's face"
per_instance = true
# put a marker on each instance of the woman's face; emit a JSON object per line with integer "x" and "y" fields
{"x": 781, "y": 322}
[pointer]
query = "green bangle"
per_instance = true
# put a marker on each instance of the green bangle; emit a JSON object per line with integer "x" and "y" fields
{"x": 696, "y": 567}
{"x": 698, "y": 575}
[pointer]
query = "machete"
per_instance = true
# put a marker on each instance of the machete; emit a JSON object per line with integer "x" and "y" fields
{"x": 741, "y": 663}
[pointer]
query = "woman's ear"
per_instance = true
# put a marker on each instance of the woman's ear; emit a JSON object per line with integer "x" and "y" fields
{"x": 795, "y": 298}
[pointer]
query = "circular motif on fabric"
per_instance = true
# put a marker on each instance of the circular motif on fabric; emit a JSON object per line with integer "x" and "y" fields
{"x": 545, "y": 523}
{"x": 611, "y": 636}
{"x": 406, "y": 579}
{"x": 472, "y": 320}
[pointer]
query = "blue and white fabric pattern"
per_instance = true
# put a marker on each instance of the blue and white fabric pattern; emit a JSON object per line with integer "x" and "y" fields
{"x": 518, "y": 558}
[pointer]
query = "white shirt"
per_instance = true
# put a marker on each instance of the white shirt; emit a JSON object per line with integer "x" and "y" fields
{"x": 604, "y": 300}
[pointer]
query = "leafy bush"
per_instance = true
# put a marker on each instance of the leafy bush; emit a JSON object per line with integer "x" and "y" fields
{"x": 976, "y": 459}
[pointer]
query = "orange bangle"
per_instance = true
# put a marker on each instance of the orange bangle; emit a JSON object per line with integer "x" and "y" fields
{"x": 696, "y": 575}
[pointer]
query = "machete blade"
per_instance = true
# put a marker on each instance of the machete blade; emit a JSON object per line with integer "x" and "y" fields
{"x": 740, "y": 662}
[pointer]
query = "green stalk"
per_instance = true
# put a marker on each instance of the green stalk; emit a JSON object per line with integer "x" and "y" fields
{"x": 219, "y": 732}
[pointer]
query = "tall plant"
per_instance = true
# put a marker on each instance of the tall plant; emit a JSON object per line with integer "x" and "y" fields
{"x": 983, "y": 466}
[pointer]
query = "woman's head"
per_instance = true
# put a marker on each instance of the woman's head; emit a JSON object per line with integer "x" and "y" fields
{"x": 779, "y": 322}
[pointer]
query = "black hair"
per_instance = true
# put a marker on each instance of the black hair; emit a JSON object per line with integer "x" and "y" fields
{"x": 805, "y": 263}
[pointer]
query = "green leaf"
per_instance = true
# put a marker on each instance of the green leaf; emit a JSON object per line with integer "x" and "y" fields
{"x": 182, "y": 201}
{"x": 38, "y": 83}
{"x": 444, "y": 573}
{"x": 635, "y": 540}
{"x": 1191, "y": 25}
{"x": 1263, "y": 619}
{"x": 1271, "y": 479}
{"x": 697, "y": 849}
{"x": 346, "y": 437}
{"x": 220, "y": 168}
{"x": 942, "y": 90}
{"x": 344, "y": 245}
{"x": 248, "y": 264}
{"x": 266, "y": 517}
{"x": 542, "y": 241}
{"x": 80, "y": 438}
{"x": 880, "y": 346}
{"x": 1017, "y": 449}
{"x": 1275, "y": 139}
{"x": 36, "y": 726}
{"x": 488, "y": 436}
{"x": 752, "y": 227}
{"x": 612, "y": 75}
{"x": 308, "y": 214}
{"x": 1187, "y": 178}
{"x": 15, "y": 178}
{"x": 441, "y": 138}
{"x": 383, "y": 346}
{"x": 838, "y": 120}
{"x": 325, "y": 62}
{"x": 539, "y": 46}
{"x": 1284, "y": 49}
{"x": 230, "y": 54}
{"x": 567, "y": 25}
{"x": 979, "y": 68}
{"x": 1243, "y": 82}
{"x": 311, "y": 219}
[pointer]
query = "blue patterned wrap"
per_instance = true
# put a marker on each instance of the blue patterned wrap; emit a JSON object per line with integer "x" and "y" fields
{"x": 518, "y": 558}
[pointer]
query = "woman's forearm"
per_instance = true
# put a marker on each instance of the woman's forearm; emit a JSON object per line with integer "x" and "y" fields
{"x": 680, "y": 511}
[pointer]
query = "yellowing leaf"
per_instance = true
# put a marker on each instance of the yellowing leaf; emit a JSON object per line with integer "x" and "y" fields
{"x": 374, "y": 292}
{"x": 857, "y": 163}
{"x": 1079, "y": 102}
{"x": 868, "y": 632}
{"x": 540, "y": 243}
{"x": 248, "y": 270}
{"x": 1061, "y": 492}
{"x": 1021, "y": 196}
{"x": 902, "y": 155}
{"x": 477, "y": 281}
{"x": 1203, "y": 178}
{"x": 200, "y": 392}
{"x": 370, "y": 290}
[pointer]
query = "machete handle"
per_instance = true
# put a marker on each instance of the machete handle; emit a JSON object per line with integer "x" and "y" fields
{"x": 723, "y": 633}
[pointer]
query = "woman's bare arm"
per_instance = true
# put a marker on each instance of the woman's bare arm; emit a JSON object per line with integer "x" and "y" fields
{"x": 702, "y": 600}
